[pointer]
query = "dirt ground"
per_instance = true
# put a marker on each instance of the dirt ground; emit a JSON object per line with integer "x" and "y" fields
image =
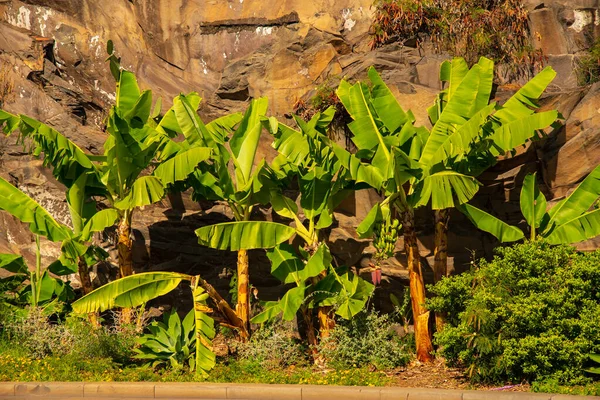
{"x": 437, "y": 375}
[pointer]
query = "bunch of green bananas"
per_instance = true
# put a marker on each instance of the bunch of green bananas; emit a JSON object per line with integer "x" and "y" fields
{"x": 385, "y": 235}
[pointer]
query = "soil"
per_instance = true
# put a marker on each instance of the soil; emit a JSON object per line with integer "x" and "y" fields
{"x": 436, "y": 375}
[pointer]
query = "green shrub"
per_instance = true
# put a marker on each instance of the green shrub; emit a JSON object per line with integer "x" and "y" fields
{"x": 40, "y": 337}
{"x": 369, "y": 339}
{"x": 273, "y": 346}
{"x": 529, "y": 314}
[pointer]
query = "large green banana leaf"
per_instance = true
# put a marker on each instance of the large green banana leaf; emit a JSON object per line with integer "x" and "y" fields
{"x": 385, "y": 104}
{"x": 366, "y": 227}
{"x": 317, "y": 263}
{"x": 354, "y": 296}
{"x": 180, "y": 166}
{"x": 291, "y": 143}
{"x": 21, "y": 206}
{"x": 459, "y": 141}
{"x": 13, "y": 263}
{"x": 285, "y": 263}
{"x": 131, "y": 291}
{"x": 188, "y": 121}
{"x": 99, "y": 222}
{"x": 244, "y": 235}
{"x": 283, "y": 205}
{"x": 68, "y": 161}
{"x": 578, "y": 202}
{"x": 81, "y": 204}
{"x": 289, "y": 305}
{"x": 445, "y": 189}
{"x": 9, "y": 122}
{"x": 454, "y": 114}
{"x": 453, "y": 72}
{"x": 291, "y": 301}
{"x": 578, "y": 229}
{"x": 486, "y": 83}
{"x": 128, "y": 92}
{"x": 522, "y": 103}
{"x": 533, "y": 202}
{"x": 315, "y": 187}
{"x": 205, "y": 332}
{"x": 367, "y": 136}
{"x": 146, "y": 190}
{"x": 222, "y": 126}
{"x": 245, "y": 140}
{"x": 140, "y": 112}
{"x": 359, "y": 171}
{"x": 515, "y": 133}
{"x": 490, "y": 224}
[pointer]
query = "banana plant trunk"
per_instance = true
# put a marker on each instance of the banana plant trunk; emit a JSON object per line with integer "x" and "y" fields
{"x": 311, "y": 337}
{"x": 84, "y": 276}
{"x": 440, "y": 263}
{"x": 243, "y": 289}
{"x": 125, "y": 245}
{"x": 125, "y": 254}
{"x": 417, "y": 289}
{"x": 326, "y": 321}
{"x": 87, "y": 287}
{"x": 324, "y": 313}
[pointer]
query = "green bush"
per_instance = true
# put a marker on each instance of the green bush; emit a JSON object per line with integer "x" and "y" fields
{"x": 529, "y": 314}
{"x": 369, "y": 339}
{"x": 273, "y": 346}
{"x": 40, "y": 337}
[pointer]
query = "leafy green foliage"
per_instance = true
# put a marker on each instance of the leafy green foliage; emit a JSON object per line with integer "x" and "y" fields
{"x": 574, "y": 219}
{"x": 27, "y": 210}
{"x": 368, "y": 339}
{"x": 135, "y": 290}
{"x": 595, "y": 359}
{"x": 35, "y": 288}
{"x": 244, "y": 235}
{"x": 530, "y": 313}
{"x": 306, "y": 155}
{"x": 273, "y": 346}
{"x": 130, "y": 291}
{"x": 39, "y": 337}
{"x": 75, "y": 368}
{"x": 171, "y": 342}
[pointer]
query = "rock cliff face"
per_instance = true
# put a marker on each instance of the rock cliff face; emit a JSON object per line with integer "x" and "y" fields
{"x": 52, "y": 55}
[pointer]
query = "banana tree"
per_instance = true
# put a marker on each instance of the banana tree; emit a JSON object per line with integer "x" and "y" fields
{"x": 242, "y": 190}
{"x": 136, "y": 290}
{"x": 131, "y": 148}
{"x": 305, "y": 155}
{"x": 469, "y": 132}
{"x": 574, "y": 219}
{"x": 472, "y": 139}
{"x": 406, "y": 165}
{"x": 35, "y": 287}
{"x": 77, "y": 252}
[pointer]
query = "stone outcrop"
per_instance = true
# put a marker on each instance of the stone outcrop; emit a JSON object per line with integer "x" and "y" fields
{"x": 53, "y": 53}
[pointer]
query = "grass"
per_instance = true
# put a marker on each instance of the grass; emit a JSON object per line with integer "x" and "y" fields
{"x": 552, "y": 386}
{"x": 16, "y": 365}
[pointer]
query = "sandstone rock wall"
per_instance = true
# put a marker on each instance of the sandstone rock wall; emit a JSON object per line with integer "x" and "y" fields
{"x": 234, "y": 50}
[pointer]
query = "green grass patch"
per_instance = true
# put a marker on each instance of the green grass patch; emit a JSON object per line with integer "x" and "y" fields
{"x": 15, "y": 366}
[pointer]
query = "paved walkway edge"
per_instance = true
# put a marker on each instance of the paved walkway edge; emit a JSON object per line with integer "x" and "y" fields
{"x": 152, "y": 390}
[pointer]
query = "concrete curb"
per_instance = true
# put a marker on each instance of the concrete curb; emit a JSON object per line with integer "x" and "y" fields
{"x": 152, "y": 390}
